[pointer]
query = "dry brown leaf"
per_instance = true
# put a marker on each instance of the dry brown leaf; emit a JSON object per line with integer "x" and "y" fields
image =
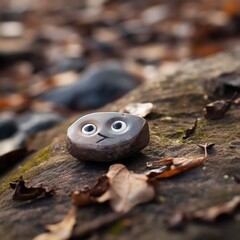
{"x": 138, "y": 109}
{"x": 218, "y": 109}
{"x": 61, "y": 230}
{"x": 88, "y": 196}
{"x": 126, "y": 189}
{"x": 209, "y": 215}
{"x": 168, "y": 167}
{"x": 23, "y": 193}
{"x": 122, "y": 188}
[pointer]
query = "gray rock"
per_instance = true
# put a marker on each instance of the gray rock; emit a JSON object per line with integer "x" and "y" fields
{"x": 100, "y": 84}
{"x": 107, "y": 136}
{"x": 8, "y": 126}
{"x": 31, "y": 123}
{"x": 66, "y": 64}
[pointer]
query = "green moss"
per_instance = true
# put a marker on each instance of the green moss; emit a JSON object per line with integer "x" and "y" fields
{"x": 117, "y": 228}
{"x": 181, "y": 134}
{"x": 161, "y": 139}
{"x": 200, "y": 133}
{"x": 179, "y": 131}
{"x": 40, "y": 157}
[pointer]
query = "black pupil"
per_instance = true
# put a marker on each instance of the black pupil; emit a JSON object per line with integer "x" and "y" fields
{"x": 117, "y": 125}
{"x": 89, "y": 128}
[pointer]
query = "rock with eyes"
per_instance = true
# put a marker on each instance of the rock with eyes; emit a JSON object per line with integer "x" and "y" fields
{"x": 107, "y": 136}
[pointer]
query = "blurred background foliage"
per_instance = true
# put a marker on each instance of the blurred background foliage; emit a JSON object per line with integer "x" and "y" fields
{"x": 60, "y": 57}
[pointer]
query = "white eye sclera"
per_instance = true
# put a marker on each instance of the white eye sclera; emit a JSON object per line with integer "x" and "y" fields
{"x": 89, "y": 129}
{"x": 119, "y": 126}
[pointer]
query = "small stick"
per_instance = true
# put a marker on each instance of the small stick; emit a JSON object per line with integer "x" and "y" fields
{"x": 206, "y": 147}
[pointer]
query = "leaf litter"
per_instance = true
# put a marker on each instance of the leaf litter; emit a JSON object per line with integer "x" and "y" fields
{"x": 217, "y": 109}
{"x": 88, "y": 195}
{"x": 23, "y": 193}
{"x": 138, "y": 109}
{"x": 209, "y": 215}
{"x": 170, "y": 166}
{"x": 61, "y": 230}
{"x": 122, "y": 188}
{"x": 127, "y": 189}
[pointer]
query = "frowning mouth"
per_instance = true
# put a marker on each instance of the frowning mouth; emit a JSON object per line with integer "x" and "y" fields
{"x": 103, "y": 137}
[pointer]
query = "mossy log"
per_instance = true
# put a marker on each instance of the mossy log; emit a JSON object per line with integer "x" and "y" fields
{"x": 179, "y": 99}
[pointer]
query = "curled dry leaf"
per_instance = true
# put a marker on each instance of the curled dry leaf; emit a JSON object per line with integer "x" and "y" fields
{"x": 126, "y": 189}
{"x": 61, "y": 230}
{"x": 122, "y": 188}
{"x": 88, "y": 196}
{"x": 23, "y": 193}
{"x": 213, "y": 213}
{"x": 190, "y": 131}
{"x": 217, "y": 110}
{"x": 138, "y": 109}
{"x": 208, "y": 215}
{"x": 168, "y": 167}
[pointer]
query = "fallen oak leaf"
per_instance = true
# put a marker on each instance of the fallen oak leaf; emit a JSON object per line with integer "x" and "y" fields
{"x": 138, "y": 109}
{"x": 209, "y": 215}
{"x": 122, "y": 188}
{"x": 126, "y": 189}
{"x": 217, "y": 110}
{"x": 23, "y": 193}
{"x": 61, "y": 230}
{"x": 168, "y": 167}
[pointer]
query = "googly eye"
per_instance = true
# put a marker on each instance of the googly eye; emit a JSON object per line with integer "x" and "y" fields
{"x": 89, "y": 129}
{"x": 119, "y": 126}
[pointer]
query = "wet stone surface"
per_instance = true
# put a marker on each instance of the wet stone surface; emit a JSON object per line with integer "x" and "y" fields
{"x": 179, "y": 99}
